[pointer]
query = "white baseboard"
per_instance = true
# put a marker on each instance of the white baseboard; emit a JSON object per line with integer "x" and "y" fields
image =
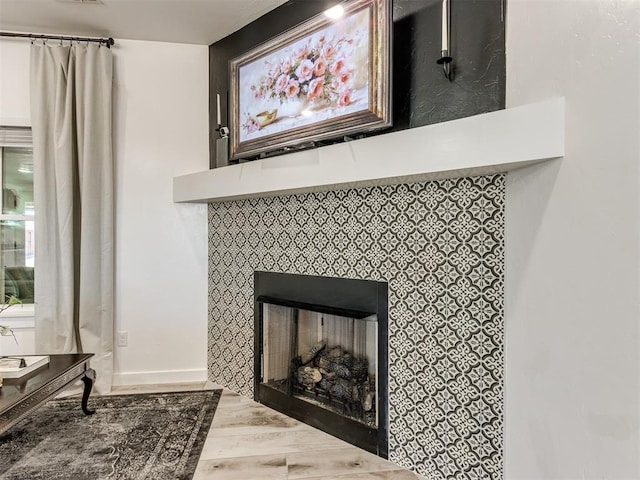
{"x": 159, "y": 377}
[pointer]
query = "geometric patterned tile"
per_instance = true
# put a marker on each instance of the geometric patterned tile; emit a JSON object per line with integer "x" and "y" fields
{"x": 440, "y": 246}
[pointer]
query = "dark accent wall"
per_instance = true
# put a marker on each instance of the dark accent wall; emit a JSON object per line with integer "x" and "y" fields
{"x": 421, "y": 93}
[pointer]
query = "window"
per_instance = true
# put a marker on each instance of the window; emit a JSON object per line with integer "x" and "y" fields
{"x": 17, "y": 211}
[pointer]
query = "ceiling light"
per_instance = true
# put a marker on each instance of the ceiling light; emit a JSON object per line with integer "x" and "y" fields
{"x": 335, "y": 12}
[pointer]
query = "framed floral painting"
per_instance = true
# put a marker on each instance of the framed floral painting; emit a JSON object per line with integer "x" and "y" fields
{"x": 325, "y": 78}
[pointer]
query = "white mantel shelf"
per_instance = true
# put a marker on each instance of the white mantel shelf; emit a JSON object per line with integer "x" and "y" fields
{"x": 484, "y": 144}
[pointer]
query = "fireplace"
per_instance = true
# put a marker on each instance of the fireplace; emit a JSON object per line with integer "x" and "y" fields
{"x": 321, "y": 354}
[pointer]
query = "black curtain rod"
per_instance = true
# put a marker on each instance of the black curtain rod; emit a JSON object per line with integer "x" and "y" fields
{"x": 107, "y": 41}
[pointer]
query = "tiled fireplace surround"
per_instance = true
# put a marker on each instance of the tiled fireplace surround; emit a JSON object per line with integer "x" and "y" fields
{"x": 434, "y": 232}
{"x": 440, "y": 246}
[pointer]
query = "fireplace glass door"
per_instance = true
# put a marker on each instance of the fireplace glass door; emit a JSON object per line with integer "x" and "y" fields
{"x": 328, "y": 360}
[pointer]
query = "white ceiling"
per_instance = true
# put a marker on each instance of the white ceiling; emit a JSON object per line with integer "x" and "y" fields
{"x": 181, "y": 21}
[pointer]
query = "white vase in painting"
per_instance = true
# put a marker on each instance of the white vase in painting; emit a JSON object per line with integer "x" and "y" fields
{"x": 292, "y": 108}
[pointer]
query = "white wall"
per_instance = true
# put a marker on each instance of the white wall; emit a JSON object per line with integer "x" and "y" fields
{"x": 572, "y": 247}
{"x": 160, "y": 131}
{"x": 14, "y": 82}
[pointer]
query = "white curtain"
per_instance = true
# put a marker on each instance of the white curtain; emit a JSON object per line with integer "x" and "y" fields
{"x": 71, "y": 114}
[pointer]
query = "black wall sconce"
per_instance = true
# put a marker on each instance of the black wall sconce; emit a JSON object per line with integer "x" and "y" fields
{"x": 445, "y": 59}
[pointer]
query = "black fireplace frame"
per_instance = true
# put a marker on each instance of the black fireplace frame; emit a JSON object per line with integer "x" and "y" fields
{"x": 356, "y": 299}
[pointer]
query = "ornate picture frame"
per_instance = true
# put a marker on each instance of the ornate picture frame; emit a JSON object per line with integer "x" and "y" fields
{"x": 325, "y": 78}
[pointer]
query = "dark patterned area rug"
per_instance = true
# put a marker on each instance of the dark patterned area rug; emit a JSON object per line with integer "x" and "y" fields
{"x": 147, "y": 436}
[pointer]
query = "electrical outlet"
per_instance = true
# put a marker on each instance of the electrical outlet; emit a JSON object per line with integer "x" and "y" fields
{"x": 123, "y": 339}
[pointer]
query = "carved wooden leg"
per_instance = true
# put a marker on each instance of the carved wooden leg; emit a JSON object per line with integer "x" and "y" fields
{"x": 88, "y": 379}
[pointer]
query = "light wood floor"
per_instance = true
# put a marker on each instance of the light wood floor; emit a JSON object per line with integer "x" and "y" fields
{"x": 248, "y": 441}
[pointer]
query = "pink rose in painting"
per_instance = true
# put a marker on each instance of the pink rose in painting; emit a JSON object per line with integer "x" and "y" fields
{"x": 329, "y": 51}
{"x": 250, "y": 125}
{"x": 319, "y": 67}
{"x": 303, "y": 52}
{"x": 281, "y": 83}
{"x": 293, "y": 87}
{"x": 345, "y": 98}
{"x": 270, "y": 77}
{"x": 337, "y": 66}
{"x": 345, "y": 76}
{"x": 285, "y": 65}
{"x": 304, "y": 70}
{"x": 315, "y": 88}
{"x": 253, "y": 126}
